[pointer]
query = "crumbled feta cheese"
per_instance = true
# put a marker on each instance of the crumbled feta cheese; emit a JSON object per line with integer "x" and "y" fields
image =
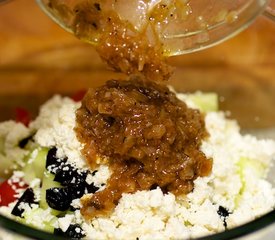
{"x": 11, "y": 155}
{"x": 99, "y": 177}
{"x": 237, "y": 183}
{"x": 65, "y": 222}
{"x": 38, "y": 217}
{"x": 33, "y": 156}
{"x": 76, "y": 203}
{"x": 55, "y": 128}
{"x": 35, "y": 185}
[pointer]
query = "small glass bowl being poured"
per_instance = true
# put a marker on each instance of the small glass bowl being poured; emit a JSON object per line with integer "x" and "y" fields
{"x": 181, "y": 26}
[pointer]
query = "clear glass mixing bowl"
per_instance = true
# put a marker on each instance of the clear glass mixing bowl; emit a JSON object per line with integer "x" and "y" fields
{"x": 202, "y": 24}
{"x": 38, "y": 60}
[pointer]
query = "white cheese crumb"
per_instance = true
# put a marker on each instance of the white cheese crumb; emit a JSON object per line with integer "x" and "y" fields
{"x": 33, "y": 156}
{"x": 65, "y": 222}
{"x": 55, "y": 127}
{"x": 38, "y": 217}
{"x": 100, "y": 177}
{"x": 76, "y": 203}
{"x": 35, "y": 185}
{"x": 11, "y": 155}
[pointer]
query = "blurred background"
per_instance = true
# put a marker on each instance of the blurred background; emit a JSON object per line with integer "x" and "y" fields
{"x": 39, "y": 59}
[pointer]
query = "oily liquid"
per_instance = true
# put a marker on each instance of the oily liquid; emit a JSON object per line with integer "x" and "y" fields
{"x": 119, "y": 44}
{"x": 126, "y": 33}
{"x": 131, "y": 46}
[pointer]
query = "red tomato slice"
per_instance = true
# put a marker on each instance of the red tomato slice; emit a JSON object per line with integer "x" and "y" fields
{"x": 23, "y": 116}
{"x": 8, "y": 192}
{"x": 78, "y": 96}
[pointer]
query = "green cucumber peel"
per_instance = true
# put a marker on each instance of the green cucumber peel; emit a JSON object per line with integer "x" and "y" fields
{"x": 206, "y": 102}
{"x": 244, "y": 164}
{"x": 35, "y": 165}
{"x": 48, "y": 182}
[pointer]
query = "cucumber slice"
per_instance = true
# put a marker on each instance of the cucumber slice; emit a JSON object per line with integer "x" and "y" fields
{"x": 48, "y": 182}
{"x": 206, "y": 102}
{"x": 248, "y": 164}
{"x": 257, "y": 167}
{"x": 36, "y": 167}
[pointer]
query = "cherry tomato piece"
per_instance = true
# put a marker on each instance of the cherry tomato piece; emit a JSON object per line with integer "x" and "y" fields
{"x": 23, "y": 116}
{"x": 8, "y": 192}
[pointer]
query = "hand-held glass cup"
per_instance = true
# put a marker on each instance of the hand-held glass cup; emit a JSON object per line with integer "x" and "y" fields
{"x": 197, "y": 26}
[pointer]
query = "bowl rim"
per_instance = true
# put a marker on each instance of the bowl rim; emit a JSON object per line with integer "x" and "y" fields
{"x": 239, "y": 231}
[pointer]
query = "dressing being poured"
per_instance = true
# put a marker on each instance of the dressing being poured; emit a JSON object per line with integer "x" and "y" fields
{"x": 137, "y": 35}
{"x": 128, "y": 35}
{"x": 146, "y": 136}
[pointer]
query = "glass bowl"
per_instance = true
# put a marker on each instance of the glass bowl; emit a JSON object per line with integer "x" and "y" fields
{"x": 197, "y": 27}
{"x": 38, "y": 59}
